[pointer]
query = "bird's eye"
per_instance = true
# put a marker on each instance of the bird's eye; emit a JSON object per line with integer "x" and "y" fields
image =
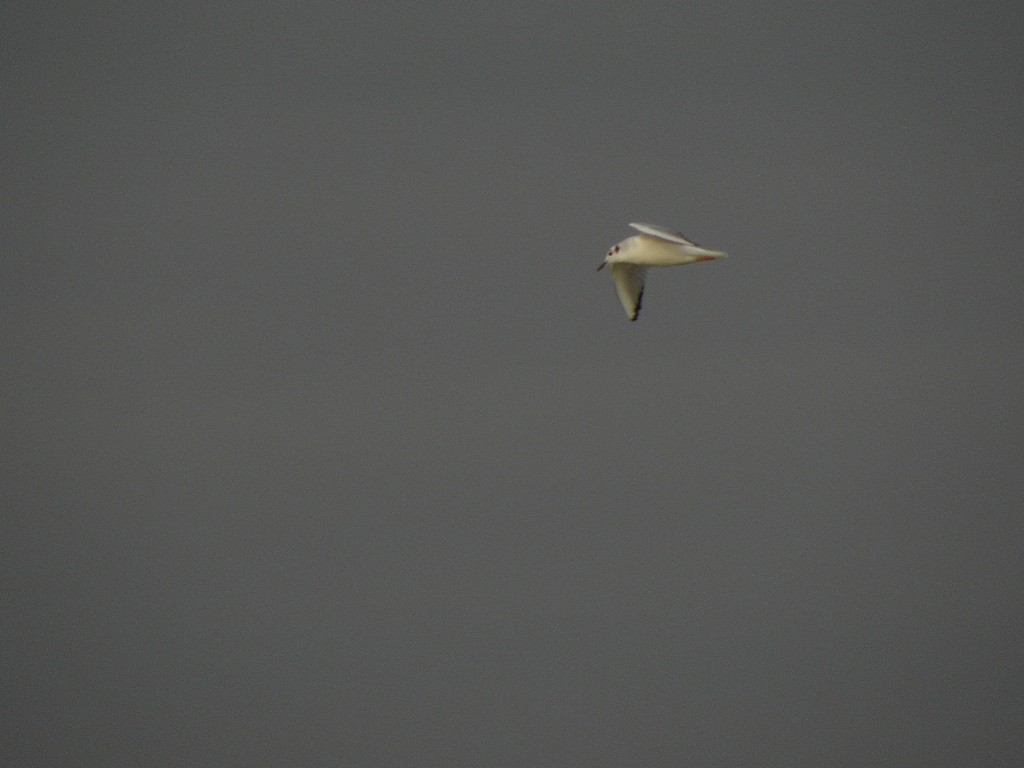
{"x": 616, "y": 249}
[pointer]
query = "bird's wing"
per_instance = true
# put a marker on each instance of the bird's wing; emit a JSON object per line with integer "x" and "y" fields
{"x": 664, "y": 234}
{"x": 629, "y": 284}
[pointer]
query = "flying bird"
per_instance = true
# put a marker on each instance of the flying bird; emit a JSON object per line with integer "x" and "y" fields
{"x": 653, "y": 247}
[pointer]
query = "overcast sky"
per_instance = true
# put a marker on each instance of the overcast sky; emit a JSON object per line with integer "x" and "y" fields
{"x": 326, "y": 445}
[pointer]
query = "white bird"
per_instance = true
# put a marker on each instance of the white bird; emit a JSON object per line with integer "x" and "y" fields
{"x": 654, "y": 247}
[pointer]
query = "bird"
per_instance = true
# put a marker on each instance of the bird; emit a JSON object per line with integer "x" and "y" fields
{"x": 653, "y": 247}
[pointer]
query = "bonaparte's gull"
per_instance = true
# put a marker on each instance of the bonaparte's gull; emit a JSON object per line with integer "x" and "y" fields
{"x": 654, "y": 247}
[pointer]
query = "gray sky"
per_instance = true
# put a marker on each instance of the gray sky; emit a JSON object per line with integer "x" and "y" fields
{"x": 327, "y": 446}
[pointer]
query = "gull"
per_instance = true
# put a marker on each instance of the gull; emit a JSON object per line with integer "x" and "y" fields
{"x": 653, "y": 247}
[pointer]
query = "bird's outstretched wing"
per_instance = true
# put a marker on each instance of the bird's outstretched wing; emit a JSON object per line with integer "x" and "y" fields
{"x": 664, "y": 234}
{"x": 629, "y": 284}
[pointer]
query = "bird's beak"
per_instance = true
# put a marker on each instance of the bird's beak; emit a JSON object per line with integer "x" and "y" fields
{"x": 603, "y": 265}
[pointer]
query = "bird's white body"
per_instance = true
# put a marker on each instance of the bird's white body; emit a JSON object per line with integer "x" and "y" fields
{"x": 654, "y": 247}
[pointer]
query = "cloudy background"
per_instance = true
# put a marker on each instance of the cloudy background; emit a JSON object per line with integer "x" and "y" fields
{"x": 325, "y": 445}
